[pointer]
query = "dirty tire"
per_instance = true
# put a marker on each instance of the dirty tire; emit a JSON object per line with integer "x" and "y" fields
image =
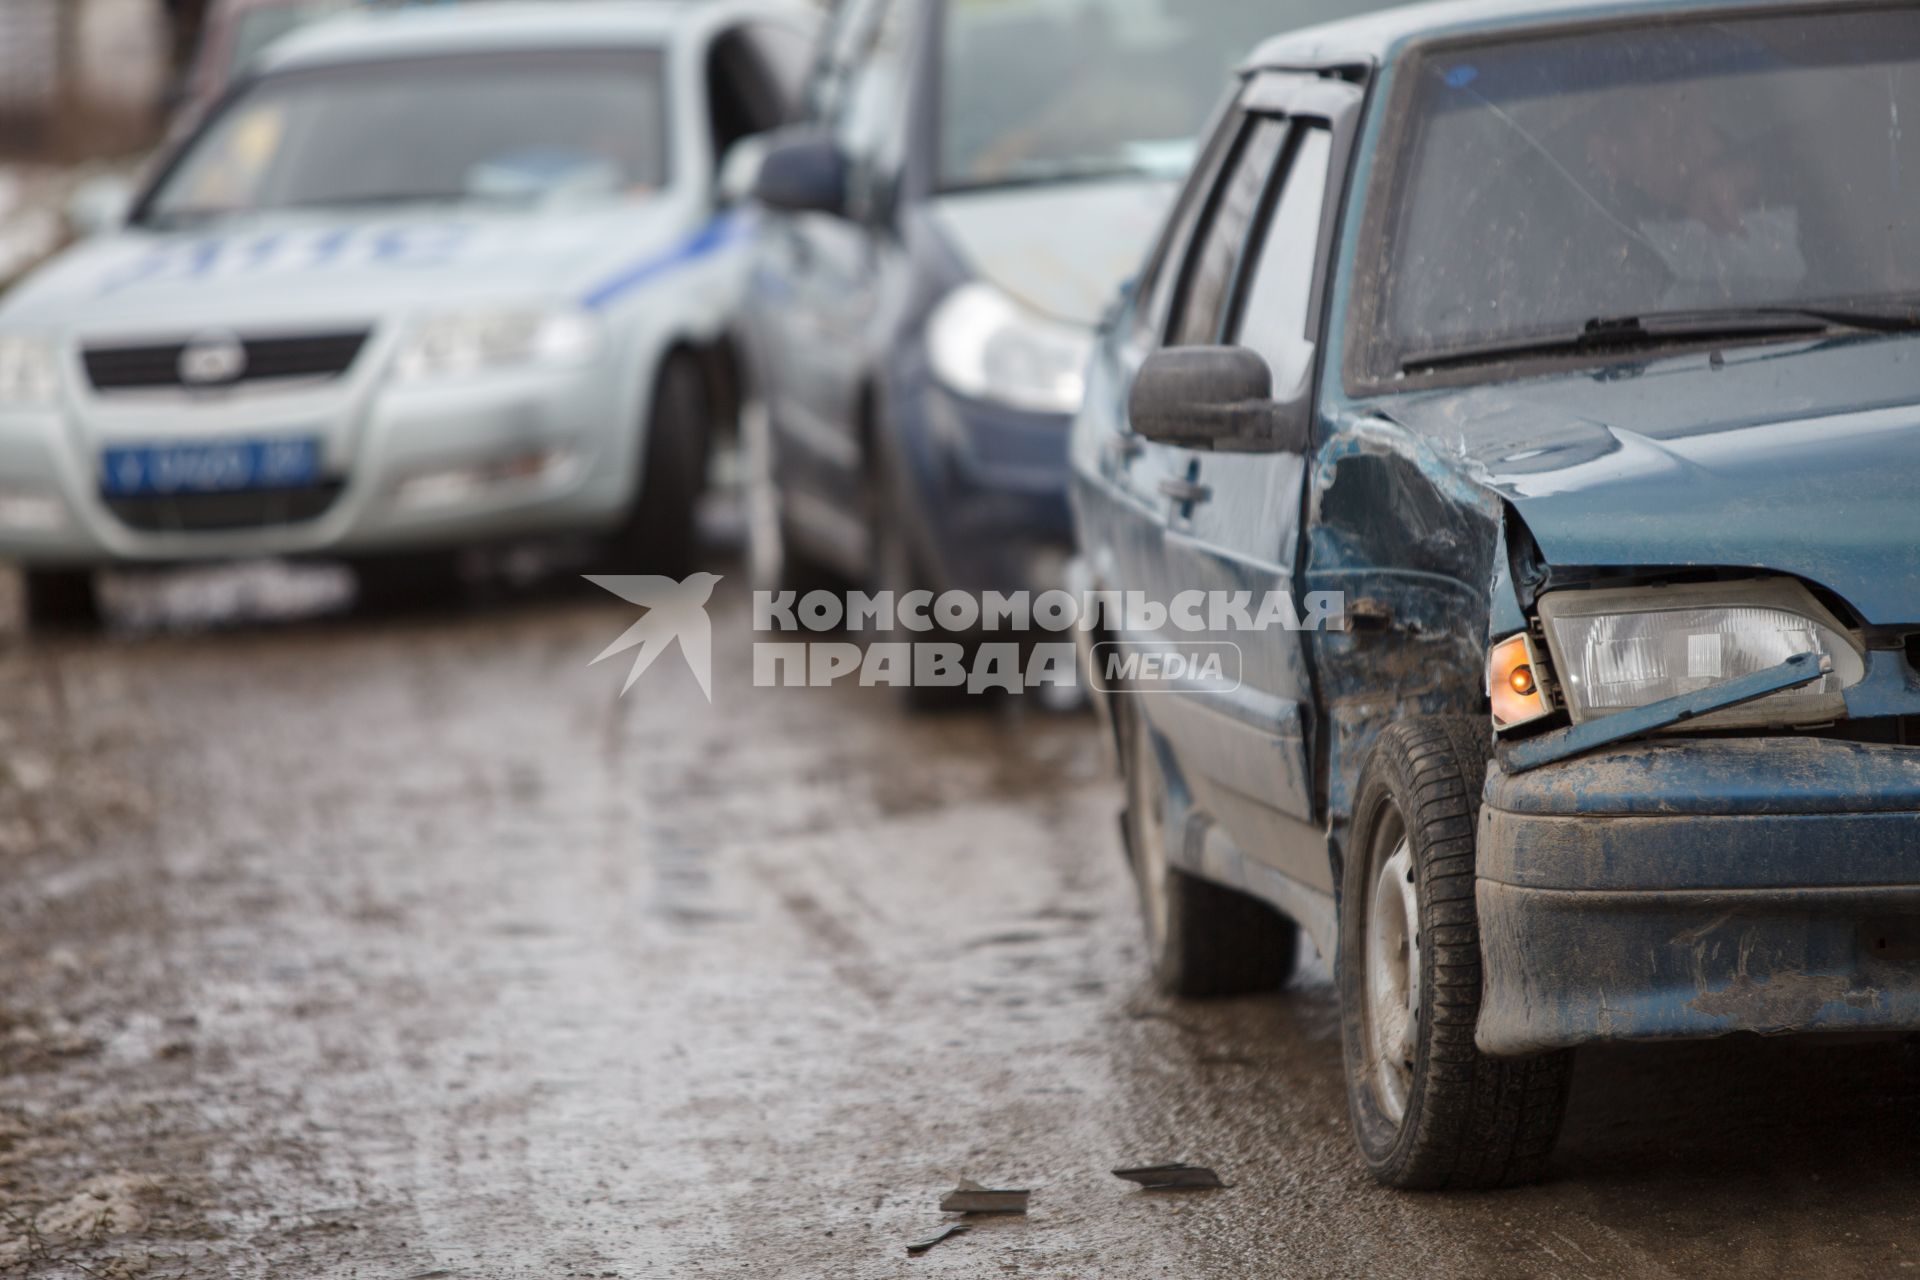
{"x": 413, "y": 583}
{"x": 659, "y": 534}
{"x": 60, "y": 599}
{"x": 897, "y": 570}
{"x": 1203, "y": 939}
{"x": 1443, "y": 1114}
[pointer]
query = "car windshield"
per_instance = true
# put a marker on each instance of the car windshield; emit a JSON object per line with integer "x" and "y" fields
{"x": 1040, "y": 90}
{"x": 1685, "y": 173}
{"x": 517, "y": 128}
{"x": 258, "y": 28}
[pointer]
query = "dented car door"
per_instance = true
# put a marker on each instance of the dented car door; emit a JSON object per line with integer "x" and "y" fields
{"x": 1240, "y": 715}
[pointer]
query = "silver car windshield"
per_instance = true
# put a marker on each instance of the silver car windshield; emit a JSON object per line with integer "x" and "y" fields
{"x": 1620, "y": 181}
{"x": 526, "y": 128}
{"x": 1042, "y": 90}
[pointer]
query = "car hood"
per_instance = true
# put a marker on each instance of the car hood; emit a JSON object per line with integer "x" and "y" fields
{"x": 1802, "y": 459}
{"x": 1063, "y": 249}
{"x": 270, "y": 269}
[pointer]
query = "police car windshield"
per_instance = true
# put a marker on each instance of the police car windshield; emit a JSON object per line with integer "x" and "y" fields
{"x": 527, "y": 128}
{"x": 1036, "y": 91}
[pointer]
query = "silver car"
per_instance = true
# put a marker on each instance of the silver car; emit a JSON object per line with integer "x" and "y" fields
{"x": 425, "y": 280}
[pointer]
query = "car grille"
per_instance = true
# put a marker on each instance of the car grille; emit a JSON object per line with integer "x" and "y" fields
{"x": 212, "y": 512}
{"x": 315, "y": 355}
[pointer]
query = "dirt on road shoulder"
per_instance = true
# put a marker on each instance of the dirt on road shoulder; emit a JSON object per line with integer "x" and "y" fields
{"x": 98, "y": 1175}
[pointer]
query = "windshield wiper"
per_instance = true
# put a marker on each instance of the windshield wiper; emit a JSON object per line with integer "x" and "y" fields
{"x": 1660, "y": 328}
{"x": 1890, "y": 317}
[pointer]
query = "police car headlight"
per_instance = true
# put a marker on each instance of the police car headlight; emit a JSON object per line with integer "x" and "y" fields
{"x": 29, "y": 371}
{"x": 985, "y": 345}
{"x": 467, "y": 342}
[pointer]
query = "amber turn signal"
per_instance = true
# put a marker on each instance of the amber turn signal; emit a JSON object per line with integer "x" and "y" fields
{"x": 1511, "y": 684}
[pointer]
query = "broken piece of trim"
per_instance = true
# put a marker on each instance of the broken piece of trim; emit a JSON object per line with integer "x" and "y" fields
{"x": 971, "y": 1197}
{"x": 1171, "y": 1177}
{"x": 919, "y": 1247}
{"x": 1637, "y": 722}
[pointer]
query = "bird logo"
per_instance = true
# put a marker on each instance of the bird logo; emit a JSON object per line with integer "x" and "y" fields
{"x": 675, "y": 611}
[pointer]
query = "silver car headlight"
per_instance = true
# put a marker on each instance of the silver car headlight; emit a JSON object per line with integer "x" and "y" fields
{"x": 985, "y": 345}
{"x": 458, "y": 343}
{"x": 1615, "y": 649}
{"x": 29, "y": 371}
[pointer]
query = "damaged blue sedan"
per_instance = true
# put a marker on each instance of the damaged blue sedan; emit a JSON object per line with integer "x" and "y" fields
{"x": 1573, "y": 348}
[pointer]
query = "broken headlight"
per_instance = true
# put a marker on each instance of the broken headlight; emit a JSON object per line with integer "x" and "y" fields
{"x": 1514, "y": 685}
{"x": 1615, "y": 649}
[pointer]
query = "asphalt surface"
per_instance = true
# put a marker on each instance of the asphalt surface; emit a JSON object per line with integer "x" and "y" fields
{"x": 404, "y": 947}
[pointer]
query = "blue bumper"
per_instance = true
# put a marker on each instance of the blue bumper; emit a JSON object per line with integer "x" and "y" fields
{"x": 1693, "y": 888}
{"x": 992, "y": 484}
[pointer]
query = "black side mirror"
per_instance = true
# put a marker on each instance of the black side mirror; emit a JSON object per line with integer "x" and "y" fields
{"x": 1218, "y": 398}
{"x": 803, "y": 171}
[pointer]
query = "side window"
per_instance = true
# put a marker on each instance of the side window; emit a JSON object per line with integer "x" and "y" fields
{"x": 1200, "y": 307}
{"x": 1162, "y": 271}
{"x": 785, "y": 56}
{"x": 871, "y": 126}
{"x": 743, "y": 96}
{"x": 1273, "y": 308}
{"x": 869, "y": 114}
{"x": 840, "y": 47}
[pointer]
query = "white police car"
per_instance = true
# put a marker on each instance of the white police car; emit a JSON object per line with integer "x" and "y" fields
{"x": 424, "y": 280}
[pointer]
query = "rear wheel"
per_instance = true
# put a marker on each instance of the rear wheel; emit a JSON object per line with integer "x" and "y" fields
{"x": 1429, "y": 1109}
{"x": 1202, "y": 939}
{"x": 60, "y": 599}
{"x": 660, "y": 532}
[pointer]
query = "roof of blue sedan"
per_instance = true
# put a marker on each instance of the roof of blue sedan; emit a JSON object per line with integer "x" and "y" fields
{"x": 1375, "y": 36}
{"x": 473, "y": 27}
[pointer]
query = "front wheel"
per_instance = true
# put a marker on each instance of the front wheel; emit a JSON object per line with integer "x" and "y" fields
{"x": 1429, "y": 1109}
{"x": 897, "y": 572}
{"x": 660, "y": 531}
{"x": 414, "y": 582}
{"x": 60, "y": 599}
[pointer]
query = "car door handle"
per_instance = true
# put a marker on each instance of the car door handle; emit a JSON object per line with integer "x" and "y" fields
{"x": 1183, "y": 490}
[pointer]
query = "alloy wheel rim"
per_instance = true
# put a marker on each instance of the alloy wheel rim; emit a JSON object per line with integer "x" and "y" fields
{"x": 1393, "y": 992}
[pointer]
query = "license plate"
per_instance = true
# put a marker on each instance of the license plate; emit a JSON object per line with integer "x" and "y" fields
{"x": 226, "y": 466}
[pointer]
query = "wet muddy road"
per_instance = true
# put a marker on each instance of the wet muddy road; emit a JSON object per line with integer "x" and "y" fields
{"x": 403, "y": 947}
